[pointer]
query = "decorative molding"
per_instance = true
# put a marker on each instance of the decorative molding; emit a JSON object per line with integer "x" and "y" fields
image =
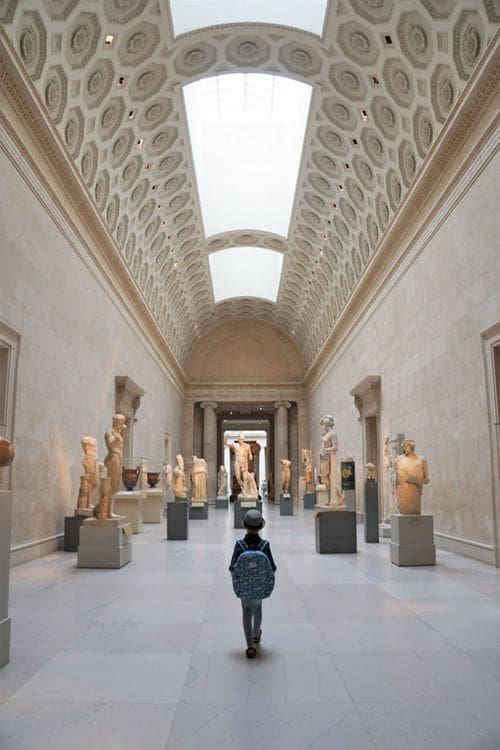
{"x": 367, "y": 396}
{"x": 479, "y": 551}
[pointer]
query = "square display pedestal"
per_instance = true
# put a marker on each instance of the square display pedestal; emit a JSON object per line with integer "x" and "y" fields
{"x": 105, "y": 543}
{"x": 198, "y": 512}
{"x": 335, "y": 531}
{"x": 412, "y": 540}
{"x": 72, "y": 531}
{"x": 371, "y": 511}
{"x": 241, "y": 507}
{"x": 384, "y": 530}
{"x": 309, "y": 500}
{"x": 221, "y": 502}
{"x": 177, "y": 519}
{"x": 130, "y": 504}
{"x": 286, "y": 505}
{"x": 152, "y": 506}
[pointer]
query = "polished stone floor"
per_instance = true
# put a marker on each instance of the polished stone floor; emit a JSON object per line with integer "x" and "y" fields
{"x": 356, "y": 653}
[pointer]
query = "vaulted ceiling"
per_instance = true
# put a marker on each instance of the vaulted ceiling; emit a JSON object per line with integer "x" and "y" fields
{"x": 385, "y": 76}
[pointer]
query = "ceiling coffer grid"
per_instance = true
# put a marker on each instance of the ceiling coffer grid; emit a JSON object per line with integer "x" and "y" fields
{"x": 385, "y": 77}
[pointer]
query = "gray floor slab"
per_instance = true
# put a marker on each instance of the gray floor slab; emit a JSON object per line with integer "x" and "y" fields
{"x": 356, "y": 654}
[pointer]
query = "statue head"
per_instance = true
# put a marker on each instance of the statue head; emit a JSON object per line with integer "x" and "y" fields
{"x": 408, "y": 446}
{"x": 119, "y": 422}
{"x": 241, "y": 438}
{"x": 179, "y": 460}
{"x": 327, "y": 423}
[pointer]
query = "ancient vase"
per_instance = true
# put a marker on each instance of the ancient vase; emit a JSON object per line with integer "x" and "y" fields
{"x": 130, "y": 477}
{"x": 153, "y": 478}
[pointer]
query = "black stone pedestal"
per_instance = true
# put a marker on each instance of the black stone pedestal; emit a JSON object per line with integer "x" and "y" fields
{"x": 309, "y": 499}
{"x": 371, "y": 510}
{"x": 198, "y": 513}
{"x": 286, "y": 505}
{"x": 221, "y": 502}
{"x": 72, "y": 532}
{"x": 177, "y": 520}
{"x": 239, "y": 511}
{"x": 335, "y": 531}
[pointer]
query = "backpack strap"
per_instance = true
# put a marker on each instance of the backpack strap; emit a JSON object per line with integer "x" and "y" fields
{"x": 242, "y": 545}
{"x": 262, "y": 545}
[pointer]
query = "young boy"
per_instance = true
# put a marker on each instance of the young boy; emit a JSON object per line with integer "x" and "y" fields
{"x": 252, "y": 608}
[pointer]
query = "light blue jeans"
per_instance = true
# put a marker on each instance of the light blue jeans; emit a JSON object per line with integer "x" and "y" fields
{"x": 252, "y": 618}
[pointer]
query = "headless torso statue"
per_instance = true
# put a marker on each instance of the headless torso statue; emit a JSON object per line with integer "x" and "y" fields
{"x": 242, "y": 457}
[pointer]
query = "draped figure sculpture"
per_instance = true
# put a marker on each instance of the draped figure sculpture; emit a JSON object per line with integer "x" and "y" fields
{"x": 199, "y": 479}
{"x": 307, "y": 464}
{"x": 89, "y": 480}
{"x": 222, "y": 482}
{"x": 328, "y": 461}
{"x": 412, "y": 474}
{"x": 286, "y": 475}
{"x": 114, "y": 458}
{"x": 179, "y": 478}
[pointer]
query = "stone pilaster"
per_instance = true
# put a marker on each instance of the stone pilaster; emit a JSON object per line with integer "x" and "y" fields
{"x": 210, "y": 446}
{"x": 280, "y": 442}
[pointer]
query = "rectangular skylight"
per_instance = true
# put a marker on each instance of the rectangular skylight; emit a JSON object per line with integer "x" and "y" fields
{"x": 247, "y": 133}
{"x": 189, "y": 15}
{"x": 246, "y": 272}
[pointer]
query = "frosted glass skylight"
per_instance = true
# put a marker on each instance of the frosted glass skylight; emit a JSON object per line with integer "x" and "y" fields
{"x": 247, "y": 133}
{"x": 188, "y": 15}
{"x": 245, "y": 272}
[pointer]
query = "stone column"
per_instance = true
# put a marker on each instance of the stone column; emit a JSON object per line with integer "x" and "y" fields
{"x": 293, "y": 448}
{"x": 280, "y": 442}
{"x": 187, "y": 434}
{"x": 210, "y": 446}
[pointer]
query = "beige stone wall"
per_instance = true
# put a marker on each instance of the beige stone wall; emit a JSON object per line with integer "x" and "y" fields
{"x": 245, "y": 351}
{"x": 423, "y": 337}
{"x": 75, "y": 337}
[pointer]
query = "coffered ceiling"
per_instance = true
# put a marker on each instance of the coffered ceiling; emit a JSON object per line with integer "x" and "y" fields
{"x": 385, "y": 76}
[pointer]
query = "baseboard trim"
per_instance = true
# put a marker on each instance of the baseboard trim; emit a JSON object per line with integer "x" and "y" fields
{"x": 470, "y": 548}
{"x": 20, "y": 553}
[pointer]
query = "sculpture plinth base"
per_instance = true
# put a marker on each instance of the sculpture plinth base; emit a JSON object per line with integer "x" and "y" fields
{"x": 241, "y": 507}
{"x": 72, "y": 532}
{"x": 322, "y": 495}
{"x": 130, "y": 504}
{"x": 221, "y": 502}
{"x": 335, "y": 532}
{"x": 5, "y": 524}
{"x": 84, "y": 512}
{"x": 198, "y": 512}
{"x": 371, "y": 511}
{"x": 412, "y": 540}
{"x": 152, "y": 506}
{"x": 350, "y": 499}
{"x": 177, "y": 520}
{"x": 105, "y": 543}
{"x": 384, "y": 530}
{"x": 286, "y": 505}
{"x": 309, "y": 500}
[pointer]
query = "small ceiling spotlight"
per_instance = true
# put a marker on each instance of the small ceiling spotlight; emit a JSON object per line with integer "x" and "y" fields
{"x": 139, "y": 143}
{"x": 364, "y": 114}
{"x": 131, "y": 114}
{"x": 121, "y": 81}
{"x": 108, "y": 40}
{"x": 148, "y": 167}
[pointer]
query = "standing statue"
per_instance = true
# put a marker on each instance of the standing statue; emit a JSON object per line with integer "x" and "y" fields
{"x": 222, "y": 482}
{"x": 104, "y": 508}
{"x": 114, "y": 443}
{"x": 167, "y": 476}
{"x": 90, "y": 469}
{"x": 412, "y": 474}
{"x": 199, "y": 479}
{"x": 328, "y": 460}
{"x": 307, "y": 463}
{"x": 179, "y": 478}
{"x": 83, "y": 502}
{"x": 242, "y": 458}
{"x": 286, "y": 475}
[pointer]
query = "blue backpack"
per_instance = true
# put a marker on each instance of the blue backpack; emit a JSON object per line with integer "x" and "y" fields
{"x": 253, "y": 576}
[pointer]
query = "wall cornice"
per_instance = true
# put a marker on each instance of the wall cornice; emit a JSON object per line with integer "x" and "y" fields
{"x": 33, "y": 145}
{"x": 468, "y": 141}
{"x": 229, "y": 392}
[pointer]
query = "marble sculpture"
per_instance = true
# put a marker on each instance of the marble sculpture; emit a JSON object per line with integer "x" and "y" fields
{"x": 114, "y": 458}
{"x": 222, "y": 482}
{"x": 199, "y": 479}
{"x": 286, "y": 475}
{"x": 412, "y": 474}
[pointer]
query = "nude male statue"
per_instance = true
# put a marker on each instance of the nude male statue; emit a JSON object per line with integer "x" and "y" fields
{"x": 114, "y": 443}
{"x": 242, "y": 458}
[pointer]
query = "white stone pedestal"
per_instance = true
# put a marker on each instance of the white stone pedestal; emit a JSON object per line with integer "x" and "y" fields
{"x": 5, "y": 525}
{"x": 322, "y": 495}
{"x": 152, "y": 506}
{"x": 105, "y": 543}
{"x": 130, "y": 504}
{"x": 412, "y": 540}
